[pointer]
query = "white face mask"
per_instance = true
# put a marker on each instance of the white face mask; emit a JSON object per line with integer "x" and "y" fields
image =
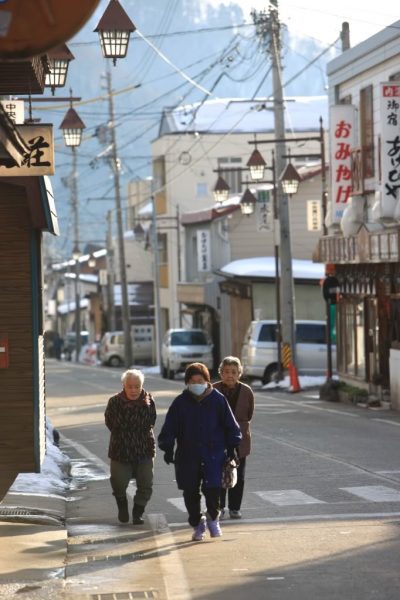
{"x": 197, "y": 388}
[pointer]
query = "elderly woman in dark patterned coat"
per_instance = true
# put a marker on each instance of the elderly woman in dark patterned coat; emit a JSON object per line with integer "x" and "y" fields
{"x": 130, "y": 416}
{"x": 241, "y": 400}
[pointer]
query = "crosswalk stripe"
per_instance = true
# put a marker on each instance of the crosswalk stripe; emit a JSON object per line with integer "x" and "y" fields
{"x": 288, "y": 497}
{"x": 374, "y": 493}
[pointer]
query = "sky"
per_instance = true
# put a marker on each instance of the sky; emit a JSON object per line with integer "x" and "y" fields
{"x": 323, "y": 22}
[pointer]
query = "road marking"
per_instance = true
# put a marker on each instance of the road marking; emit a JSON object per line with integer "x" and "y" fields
{"x": 397, "y": 423}
{"x": 305, "y": 518}
{"x": 374, "y": 493}
{"x": 274, "y": 578}
{"x": 179, "y": 503}
{"x": 288, "y": 497}
{"x": 387, "y": 472}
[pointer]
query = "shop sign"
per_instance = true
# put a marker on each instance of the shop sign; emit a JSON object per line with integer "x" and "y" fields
{"x": 263, "y": 211}
{"x": 15, "y": 110}
{"x": 342, "y": 119}
{"x": 203, "y": 250}
{"x": 39, "y": 158}
{"x": 390, "y": 146}
{"x": 314, "y": 219}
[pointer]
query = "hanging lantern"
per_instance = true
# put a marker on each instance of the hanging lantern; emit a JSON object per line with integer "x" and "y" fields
{"x": 72, "y": 127}
{"x": 221, "y": 190}
{"x": 248, "y": 203}
{"x": 59, "y": 59}
{"x": 114, "y": 29}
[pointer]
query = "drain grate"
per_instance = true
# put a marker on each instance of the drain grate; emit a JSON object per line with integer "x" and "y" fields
{"x": 125, "y": 595}
{"x": 29, "y": 515}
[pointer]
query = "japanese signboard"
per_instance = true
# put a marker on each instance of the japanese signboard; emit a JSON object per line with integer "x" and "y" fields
{"x": 15, "y": 110}
{"x": 263, "y": 210}
{"x": 390, "y": 146}
{"x": 39, "y": 158}
{"x": 342, "y": 120}
{"x": 313, "y": 215}
{"x": 203, "y": 250}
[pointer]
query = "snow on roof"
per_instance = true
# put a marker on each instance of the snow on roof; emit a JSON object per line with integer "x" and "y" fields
{"x": 243, "y": 116}
{"x": 264, "y": 266}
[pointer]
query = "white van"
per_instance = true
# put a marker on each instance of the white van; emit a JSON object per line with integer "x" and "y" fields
{"x": 180, "y": 347}
{"x": 112, "y": 346}
{"x": 260, "y": 351}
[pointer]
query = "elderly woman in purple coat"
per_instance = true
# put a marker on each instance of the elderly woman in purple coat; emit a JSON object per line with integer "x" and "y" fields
{"x": 201, "y": 424}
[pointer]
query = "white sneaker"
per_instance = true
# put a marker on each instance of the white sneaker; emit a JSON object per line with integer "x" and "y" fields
{"x": 235, "y": 514}
{"x": 199, "y": 532}
{"x": 214, "y": 528}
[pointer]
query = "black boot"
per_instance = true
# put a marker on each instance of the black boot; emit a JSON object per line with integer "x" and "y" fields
{"x": 137, "y": 513}
{"x": 123, "y": 513}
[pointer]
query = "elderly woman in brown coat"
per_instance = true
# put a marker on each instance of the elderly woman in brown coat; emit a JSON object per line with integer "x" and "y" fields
{"x": 241, "y": 400}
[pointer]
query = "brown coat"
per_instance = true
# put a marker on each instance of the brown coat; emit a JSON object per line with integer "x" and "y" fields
{"x": 243, "y": 414}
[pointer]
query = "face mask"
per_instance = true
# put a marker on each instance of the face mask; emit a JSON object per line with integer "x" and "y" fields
{"x": 197, "y": 388}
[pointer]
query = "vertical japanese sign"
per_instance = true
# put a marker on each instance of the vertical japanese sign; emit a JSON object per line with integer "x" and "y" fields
{"x": 263, "y": 210}
{"x": 314, "y": 218}
{"x": 342, "y": 119}
{"x": 15, "y": 110}
{"x": 390, "y": 146}
{"x": 203, "y": 250}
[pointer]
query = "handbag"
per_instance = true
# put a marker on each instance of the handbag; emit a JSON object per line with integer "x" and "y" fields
{"x": 229, "y": 474}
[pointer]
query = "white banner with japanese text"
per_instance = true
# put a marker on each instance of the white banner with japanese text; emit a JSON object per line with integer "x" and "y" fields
{"x": 203, "y": 250}
{"x": 342, "y": 138}
{"x": 39, "y": 158}
{"x": 390, "y": 146}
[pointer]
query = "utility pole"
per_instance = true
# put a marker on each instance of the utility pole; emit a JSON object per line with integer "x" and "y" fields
{"x": 268, "y": 29}
{"x": 120, "y": 230}
{"x": 110, "y": 275}
{"x": 75, "y": 209}
{"x": 156, "y": 282}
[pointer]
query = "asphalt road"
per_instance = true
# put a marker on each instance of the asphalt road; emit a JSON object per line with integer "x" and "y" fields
{"x": 321, "y": 511}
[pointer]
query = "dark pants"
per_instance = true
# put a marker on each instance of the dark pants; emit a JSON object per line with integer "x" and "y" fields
{"x": 235, "y": 494}
{"x": 192, "y": 498}
{"x": 122, "y": 473}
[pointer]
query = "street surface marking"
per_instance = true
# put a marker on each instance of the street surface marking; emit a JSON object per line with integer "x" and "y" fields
{"x": 288, "y": 497}
{"x": 387, "y": 472}
{"x": 305, "y": 518}
{"x": 397, "y": 423}
{"x": 374, "y": 493}
{"x": 179, "y": 503}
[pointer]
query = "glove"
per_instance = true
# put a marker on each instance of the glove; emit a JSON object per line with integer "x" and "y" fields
{"x": 233, "y": 453}
{"x": 169, "y": 456}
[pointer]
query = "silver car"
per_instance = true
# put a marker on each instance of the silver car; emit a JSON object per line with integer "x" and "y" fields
{"x": 181, "y": 347}
{"x": 260, "y": 351}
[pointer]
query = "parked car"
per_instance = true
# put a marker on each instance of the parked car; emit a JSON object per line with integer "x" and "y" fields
{"x": 260, "y": 351}
{"x": 70, "y": 342}
{"x": 181, "y": 347}
{"x": 112, "y": 346}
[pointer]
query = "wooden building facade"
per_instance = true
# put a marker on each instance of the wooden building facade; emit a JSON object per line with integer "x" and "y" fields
{"x": 26, "y": 210}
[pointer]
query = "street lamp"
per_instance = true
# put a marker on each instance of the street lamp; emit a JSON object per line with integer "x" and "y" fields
{"x": 290, "y": 179}
{"x": 247, "y": 203}
{"x": 59, "y": 59}
{"x": 221, "y": 190}
{"x": 257, "y": 165}
{"x": 72, "y": 127}
{"x": 114, "y": 29}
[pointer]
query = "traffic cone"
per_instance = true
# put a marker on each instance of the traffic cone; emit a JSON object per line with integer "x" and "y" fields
{"x": 294, "y": 379}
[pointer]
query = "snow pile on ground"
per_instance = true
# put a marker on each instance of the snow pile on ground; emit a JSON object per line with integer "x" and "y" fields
{"x": 54, "y": 475}
{"x": 147, "y": 370}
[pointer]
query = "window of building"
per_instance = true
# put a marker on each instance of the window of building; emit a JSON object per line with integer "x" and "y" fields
{"x": 162, "y": 248}
{"x": 367, "y": 130}
{"x": 230, "y": 169}
{"x": 345, "y": 99}
{"x": 201, "y": 190}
